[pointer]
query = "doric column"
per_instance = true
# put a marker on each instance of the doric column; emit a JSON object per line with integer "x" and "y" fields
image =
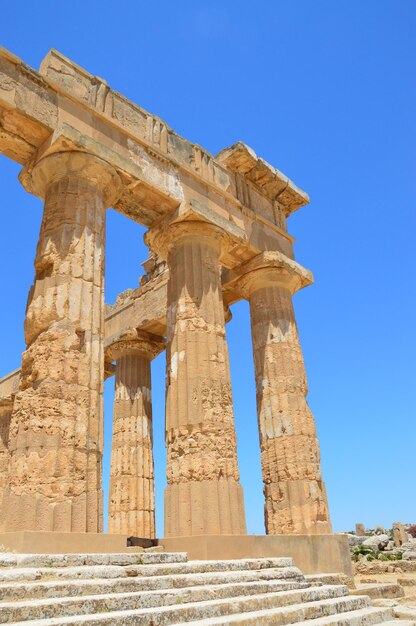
{"x": 295, "y": 494}
{"x": 6, "y": 407}
{"x": 132, "y": 495}
{"x": 203, "y": 495}
{"x": 56, "y": 431}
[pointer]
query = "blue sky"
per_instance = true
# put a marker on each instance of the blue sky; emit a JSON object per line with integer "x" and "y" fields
{"x": 325, "y": 91}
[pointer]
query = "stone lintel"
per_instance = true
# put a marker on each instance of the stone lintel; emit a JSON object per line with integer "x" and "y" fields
{"x": 13, "y": 58}
{"x": 64, "y": 107}
{"x": 28, "y": 108}
{"x": 143, "y": 308}
{"x": 9, "y": 386}
{"x": 273, "y": 184}
{"x": 95, "y": 93}
{"x": 266, "y": 269}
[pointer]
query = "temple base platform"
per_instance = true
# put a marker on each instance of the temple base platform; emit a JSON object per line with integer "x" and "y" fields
{"x": 311, "y": 553}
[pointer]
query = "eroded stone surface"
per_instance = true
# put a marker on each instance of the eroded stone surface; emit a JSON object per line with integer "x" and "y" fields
{"x": 5, "y": 415}
{"x": 56, "y": 430}
{"x": 203, "y": 495}
{"x": 295, "y": 494}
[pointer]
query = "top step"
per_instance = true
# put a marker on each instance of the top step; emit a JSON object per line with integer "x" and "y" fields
{"x": 9, "y": 560}
{"x": 73, "y": 560}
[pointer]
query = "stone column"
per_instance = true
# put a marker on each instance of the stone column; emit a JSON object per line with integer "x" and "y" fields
{"x": 56, "y": 430}
{"x": 203, "y": 495}
{"x": 399, "y": 534}
{"x": 296, "y": 501}
{"x": 6, "y": 407}
{"x": 132, "y": 495}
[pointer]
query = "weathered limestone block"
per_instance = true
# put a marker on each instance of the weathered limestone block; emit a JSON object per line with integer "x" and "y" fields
{"x": 132, "y": 495}
{"x": 5, "y": 415}
{"x": 56, "y": 430}
{"x": 203, "y": 495}
{"x": 295, "y": 494}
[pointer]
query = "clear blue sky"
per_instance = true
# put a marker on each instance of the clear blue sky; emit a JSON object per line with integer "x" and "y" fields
{"x": 325, "y": 91}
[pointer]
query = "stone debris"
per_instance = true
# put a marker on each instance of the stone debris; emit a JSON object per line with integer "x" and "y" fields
{"x": 355, "y": 540}
{"x": 379, "y": 541}
{"x": 392, "y": 545}
{"x": 381, "y": 567}
{"x": 409, "y": 545}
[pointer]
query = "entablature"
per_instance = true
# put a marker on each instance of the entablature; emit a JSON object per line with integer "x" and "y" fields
{"x": 64, "y": 107}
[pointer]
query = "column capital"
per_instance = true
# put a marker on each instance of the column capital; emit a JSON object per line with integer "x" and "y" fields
{"x": 135, "y": 342}
{"x": 268, "y": 269}
{"x": 38, "y": 175}
{"x": 163, "y": 237}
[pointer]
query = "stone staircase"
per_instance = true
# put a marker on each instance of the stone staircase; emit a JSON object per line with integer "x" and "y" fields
{"x": 152, "y": 589}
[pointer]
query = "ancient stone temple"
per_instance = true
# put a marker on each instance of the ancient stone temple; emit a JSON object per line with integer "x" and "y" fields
{"x": 217, "y": 233}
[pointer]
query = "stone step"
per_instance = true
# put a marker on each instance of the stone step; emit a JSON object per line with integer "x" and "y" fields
{"x": 59, "y": 607}
{"x": 405, "y": 612}
{"x": 336, "y": 578}
{"x": 380, "y": 590}
{"x": 407, "y": 582}
{"x": 400, "y": 610}
{"x": 63, "y": 588}
{"x": 217, "y": 610}
{"x": 76, "y": 560}
{"x": 362, "y": 617}
{"x": 359, "y": 617}
{"x": 119, "y": 571}
{"x": 400, "y": 622}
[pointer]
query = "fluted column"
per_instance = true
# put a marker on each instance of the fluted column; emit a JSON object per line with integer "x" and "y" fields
{"x": 132, "y": 495}
{"x": 203, "y": 495}
{"x": 56, "y": 430}
{"x": 5, "y": 415}
{"x": 296, "y": 501}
